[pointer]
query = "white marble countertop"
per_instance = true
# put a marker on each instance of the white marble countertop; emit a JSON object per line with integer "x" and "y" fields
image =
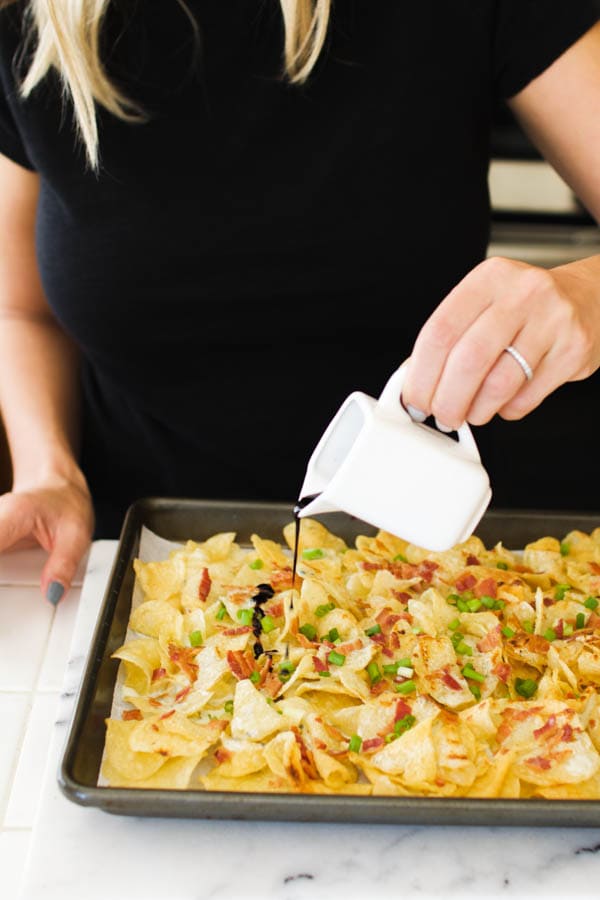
{"x": 52, "y": 848}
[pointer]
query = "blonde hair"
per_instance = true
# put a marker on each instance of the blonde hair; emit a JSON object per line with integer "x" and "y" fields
{"x": 67, "y": 39}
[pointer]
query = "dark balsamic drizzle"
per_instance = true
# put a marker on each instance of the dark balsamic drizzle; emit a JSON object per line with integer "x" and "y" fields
{"x": 264, "y": 593}
{"x": 304, "y": 501}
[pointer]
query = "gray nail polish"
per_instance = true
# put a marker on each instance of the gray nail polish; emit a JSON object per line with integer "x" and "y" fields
{"x": 55, "y": 592}
{"x": 417, "y": 415}
{"x": 444, "y": 428}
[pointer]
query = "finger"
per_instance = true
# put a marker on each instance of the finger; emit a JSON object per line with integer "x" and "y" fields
{"x": 70, "y": 543}
{"x": 455, "y": 315}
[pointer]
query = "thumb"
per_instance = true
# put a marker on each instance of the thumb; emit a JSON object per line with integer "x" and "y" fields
{"x": 70, "y": 543}
{"x": 15, "y": 521}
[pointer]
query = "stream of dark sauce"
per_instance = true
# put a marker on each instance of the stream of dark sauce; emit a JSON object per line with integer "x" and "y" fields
{"x": 264, "y": 592}
{"x": 304, "y": 501}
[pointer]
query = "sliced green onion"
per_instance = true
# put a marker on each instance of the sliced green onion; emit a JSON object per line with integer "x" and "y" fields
{"x": 333, "y": 635}
{"x": 453, "y": 598}
{"x": 470, "y": 672}
{"x": 336, "y": 659}
{"x": 254, "y": 677}
{"x": 567, "y": 629}
{"x": 457, "y": 638}
{"x": 399, "y": 557}
{"x": 404, "y": 663}
{"x": 245, "y": 616}
{"x": 392, "y": 736}
{"x": 580, "y": 620}
{"x": 195, "y": 638}
{"x": 464, "y": 649}
{"x": 313, "y": 553}
{"x": 560, "y": 590}
{"x": 374, "y": 672}
{"x": 549, "y": 634}
{"x": 309, "y": 631}
{"x": 228, "y": 707}
{"x": 325, "y": 674}
{"x": 391, "y": 668}
{"x": 564, "y": 548}
{"x": 475, "y": 690}
{"x": 256, "y": 564}
{"x": 407, "y": 687}
{"x": 404, "y": 724}
{"x": 591, "y": 603}
{"x": 474, "y": 605}
{"x": 462, "y": 605}
{"x": 267, "y": 624}
{"x": 454, "y": 624}
{"x": 525, "y": 687}
{"x": 502, "y": 565}
{"x": 488, "y": 602}
{"x": 528, "y": 626}
{"x": 355, "y": 743}
{"x": 374, "y": 629}
{"x": 221, "y": 612}
{"x": 323, "y": 609}
{"x": 499, "y": 604}
{"x": 507, "y": 632}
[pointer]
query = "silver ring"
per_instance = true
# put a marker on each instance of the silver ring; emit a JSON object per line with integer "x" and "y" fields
{"x": 518, "y": 358}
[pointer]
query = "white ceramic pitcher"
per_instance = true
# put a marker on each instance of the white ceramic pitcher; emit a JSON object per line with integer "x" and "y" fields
{"x": 375, "y": 463}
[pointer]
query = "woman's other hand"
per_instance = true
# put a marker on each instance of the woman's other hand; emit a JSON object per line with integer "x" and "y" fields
{"x": 459, "y": 369}
{"x": 56, "y": 515}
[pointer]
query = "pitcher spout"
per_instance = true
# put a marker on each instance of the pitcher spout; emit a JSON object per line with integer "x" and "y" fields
{"x": 314, "y": 505}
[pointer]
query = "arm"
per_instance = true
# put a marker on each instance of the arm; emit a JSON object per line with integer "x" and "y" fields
{"x": 458, "y": 370}
{"x": 49, "y": 501}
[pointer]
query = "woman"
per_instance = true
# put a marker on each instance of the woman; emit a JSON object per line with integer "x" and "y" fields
{"x": 202, "y": 256}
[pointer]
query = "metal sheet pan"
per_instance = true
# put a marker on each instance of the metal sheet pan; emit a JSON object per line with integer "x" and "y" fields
{"x": 182, "y": 519}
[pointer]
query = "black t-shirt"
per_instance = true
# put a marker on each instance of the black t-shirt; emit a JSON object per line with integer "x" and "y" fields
{"x": 254, "y": 251}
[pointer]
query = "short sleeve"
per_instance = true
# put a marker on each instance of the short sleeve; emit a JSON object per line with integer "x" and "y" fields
{"x": 531, "y": 34}
{"x": 11, "y": 141}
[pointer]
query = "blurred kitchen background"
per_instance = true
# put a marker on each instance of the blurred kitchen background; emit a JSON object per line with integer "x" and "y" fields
{"x": 535, "y": 216}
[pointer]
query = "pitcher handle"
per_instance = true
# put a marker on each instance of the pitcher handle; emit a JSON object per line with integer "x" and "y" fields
{"x": 390, "y": 404}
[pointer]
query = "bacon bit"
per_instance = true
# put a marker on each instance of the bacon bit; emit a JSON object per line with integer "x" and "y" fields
{"x": 274, "y": 608}
{"x": 153, "y": 702}
{"x": 372, "y": 744}
{"x": 402, "y": 710}
{"x": 158, "y": 673}
{"x": 519, "y": 567}
{"x": 567, "y": 733}
{"x": 378, "y": 688}
{"x": 502, "y": 671}
{"x": 180, "y": 695}
{"x": 394, "y": 640}
{"x": 595, "y": 567}
{"x": 319, "y": 665}
{"x": 548, "y": 726}
{"x": 239, "y": 629}
{"x": 305, "y": 642}
{"x": 548, "y": 601}
{"x": 168, "y": 715}
{"x": 334, "y": 732}
{"x": 538, "y": 762}
{"x": 472, "y": 560}
{"x": 239, "y": 594}
{"x": 465, "y": 582}
{"x": 593, "y": 621}
{"x": 307, "y": 759}
{"x": 451, "y": 682}
{"x": 154, "y": 726}
{"x": 490, "y": 640}
{"x": 272, "y": 684}
{"x": 241, "y": 663}
{"x": 163, "y": 752}
{"x": 129, "y": 714}
{"x": 387, "y": 651}
{"x": 222, "y": 755}
{"x": 380, "y": 639}
{"x": 368, "y": 566}
{"x": 184, "y": 658}
{"x": 487, "y": 587}
{"x": 281, "y": 579}
{"x": 402, "y": 596}
{"x": 537, "y": 644}
{"x": 349, "y": 646}
{"x": 386, "y": 619}
{"x": 204, "y": 585}
{"x": 319, "y": 744}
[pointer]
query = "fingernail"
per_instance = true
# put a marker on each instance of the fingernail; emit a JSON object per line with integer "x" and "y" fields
{"x": 417, "y": 415}
{"x": 54, "y": 592}
{"x": 444, "y": 428}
